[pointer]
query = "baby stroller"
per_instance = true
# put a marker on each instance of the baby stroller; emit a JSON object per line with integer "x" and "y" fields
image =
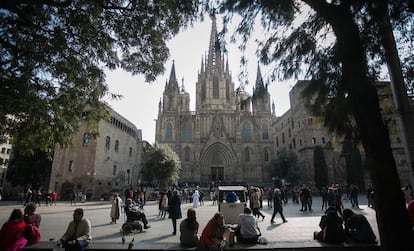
{"x": 132, "y": 223}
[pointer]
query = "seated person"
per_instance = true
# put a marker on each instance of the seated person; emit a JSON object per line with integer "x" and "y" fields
{"x": 357, "y": 228}
{"x": 247, "y": 231}
{"x": 30, "y": 217}
{"x": 12, "y": 232}
{"x": 133, "y": 213}
{"x": 213, "y": 234}
{"x": 231, "y": 197}
{"x": 331, "y": 225}
{"x": 189, "y": 230}
{"x": 78, "y": 233}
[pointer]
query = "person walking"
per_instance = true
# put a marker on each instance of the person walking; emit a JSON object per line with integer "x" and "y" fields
{"x": 255, "y": 202}
{"x": 277, "y": 205}
{"x": 164, "y": 205}
{"x": 115, "y": 208}
{"x": 195, "y": 197}
{"x": 174, "y": 210}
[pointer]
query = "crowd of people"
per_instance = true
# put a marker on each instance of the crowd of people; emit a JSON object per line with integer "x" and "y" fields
{"x": 337, "y": 225}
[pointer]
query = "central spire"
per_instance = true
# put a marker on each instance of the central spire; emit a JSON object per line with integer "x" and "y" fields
{"x": 214, "y": 52}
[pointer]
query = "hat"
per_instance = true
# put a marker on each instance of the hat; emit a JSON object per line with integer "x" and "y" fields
{"x": 128, "y": 201}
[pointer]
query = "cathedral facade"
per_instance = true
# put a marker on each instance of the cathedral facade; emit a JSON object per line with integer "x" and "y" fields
{"x": 228, "y": 138}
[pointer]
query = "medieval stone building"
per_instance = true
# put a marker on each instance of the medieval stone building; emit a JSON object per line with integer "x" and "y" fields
{"x": 99, "y": 165}
{"x": 228, "y": 137}
{"x": 232, "y": 136}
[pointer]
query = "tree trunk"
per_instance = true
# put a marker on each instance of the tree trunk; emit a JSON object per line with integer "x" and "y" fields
{"x": 404, "y": 113}
{"x": 392, "y": 217}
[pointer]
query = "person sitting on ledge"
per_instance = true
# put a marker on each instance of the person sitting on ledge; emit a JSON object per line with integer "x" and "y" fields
{"x": 133, "y": 213}
{"x": 247, "y": 231}
{"x": 357, "y": 228}
{"x": 331, "y": 225}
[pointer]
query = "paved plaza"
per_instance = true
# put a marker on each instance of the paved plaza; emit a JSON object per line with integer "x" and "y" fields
{"x": 298, "y": 231}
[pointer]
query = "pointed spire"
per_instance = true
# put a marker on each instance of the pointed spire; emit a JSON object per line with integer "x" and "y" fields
{"x": 259, "y": 79}
{"x": 273, "y": 108}
{"x": 173, "y": 78}
{"x": 213, "y": 50}
{"x": 202, "y": 63}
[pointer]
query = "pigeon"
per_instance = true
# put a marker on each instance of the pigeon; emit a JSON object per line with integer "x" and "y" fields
{"x": 131, "y": 244}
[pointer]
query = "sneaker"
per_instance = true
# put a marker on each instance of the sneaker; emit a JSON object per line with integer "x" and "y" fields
{"x": 147, "y": 226}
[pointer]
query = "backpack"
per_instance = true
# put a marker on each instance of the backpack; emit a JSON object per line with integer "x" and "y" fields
{"x": 32, "y": 234}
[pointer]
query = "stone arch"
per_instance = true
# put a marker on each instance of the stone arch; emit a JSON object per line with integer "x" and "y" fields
{"x": 218, "y": 159}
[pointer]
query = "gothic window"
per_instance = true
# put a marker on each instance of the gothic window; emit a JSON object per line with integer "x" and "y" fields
{"x": 323, "y": 140}
{"x": 108, "y": 142}
{"x": 290, "y": 132}
{"x": 203, "y": 90}
{"x": 186, "y": 133}
{"x": 70, "y": 168}
{"x": 283, "y": 137}
{"x": 116, "y": 145}
{"x": 265, "y": 132}
{"x": 170, "y": 103}
{"x": 85, "y": 139}
{"x": 277, "y": 141}
{"x": 246, "y": 133}
{"x": 228, "y": 89}
{"x": 168, "y": 131}
{"x": 187, "y": 154}
{"x": 114, "y": 170}
{"x": 313, "y": 140}
{"x": 266, "y": 155}
{"x": 215, "y": 87}
{"x": 294, "y": 143}
{"x": 246, "y": 154}
{"x": 130, "y": 152}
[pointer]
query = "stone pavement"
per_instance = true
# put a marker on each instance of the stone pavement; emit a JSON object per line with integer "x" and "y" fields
{"x": 298, "y": 231}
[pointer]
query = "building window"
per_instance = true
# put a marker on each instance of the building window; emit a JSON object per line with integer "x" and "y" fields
{"x": 265, "y": 132}
{"x": 168, "y": 132}
{"x": 313, "y": 140}
{"x": 186, "y": 133}
{"x": 114, "y": 170}
{"x": 8, "y": 151}
{"x": 283, "y": 137}
{"x": 130, "y": 152}
{"x": 215, "y": 87}
{"x": 246, "y": 154}
{"x": 294, "y": 143}
{"x": 310, "y": 121}
{"x": 323, "y": 140}
{"x": 85, "y": 141}
{"x": 187, "y": 154}
{"x": 3, "y": 150}
{"x": 1, "y": 161}
{"x": 246, "y": 133}
{"x": 266, "y": 155}
{"x": 289, "y": 133}
{"x": 70, "y": 168}
{"x": 108, "y": 142}
{"x": 116, "y": 145}
{"x": 300, "y": 142}
{"x": 277, "y": 141}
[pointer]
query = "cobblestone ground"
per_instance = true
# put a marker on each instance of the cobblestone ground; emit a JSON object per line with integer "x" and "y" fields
{"x": 298, "y": 229}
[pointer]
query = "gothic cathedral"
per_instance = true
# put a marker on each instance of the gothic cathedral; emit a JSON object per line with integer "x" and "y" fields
{"x": 228, "y": 138}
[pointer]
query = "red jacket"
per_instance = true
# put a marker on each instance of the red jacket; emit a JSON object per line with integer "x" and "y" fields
{"x": 10, "y": 233}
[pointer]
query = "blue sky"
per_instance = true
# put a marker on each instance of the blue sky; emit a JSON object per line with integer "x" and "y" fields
{"x": 140, "y": 99}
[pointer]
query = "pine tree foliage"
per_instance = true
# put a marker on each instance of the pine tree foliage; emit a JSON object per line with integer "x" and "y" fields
{"x": 54, "y": 53}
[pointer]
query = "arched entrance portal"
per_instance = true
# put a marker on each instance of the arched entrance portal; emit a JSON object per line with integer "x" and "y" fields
{"x": 218, "y": 163}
